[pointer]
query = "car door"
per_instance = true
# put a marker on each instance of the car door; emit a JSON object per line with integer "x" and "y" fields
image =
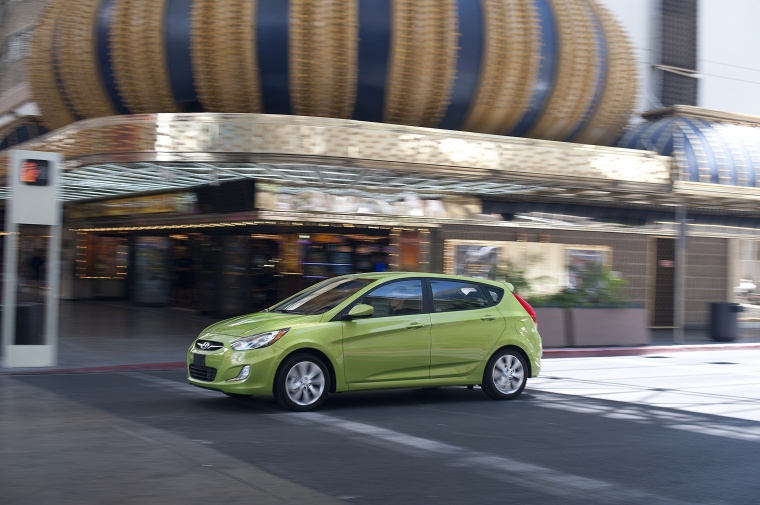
{"x": 465, "y": 326}
{"x": 393, "y": 344}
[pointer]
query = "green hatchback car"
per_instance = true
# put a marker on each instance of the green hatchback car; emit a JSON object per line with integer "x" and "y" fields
{"x": 373, "y": 331}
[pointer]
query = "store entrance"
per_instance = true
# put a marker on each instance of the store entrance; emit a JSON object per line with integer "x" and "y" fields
{"x": 663, "y": 314}
{"x": 184, "y": 265}
{"x": 228, "y": 272}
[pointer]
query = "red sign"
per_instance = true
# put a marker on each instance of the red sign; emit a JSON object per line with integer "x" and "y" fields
{"x": 34, "y": 172}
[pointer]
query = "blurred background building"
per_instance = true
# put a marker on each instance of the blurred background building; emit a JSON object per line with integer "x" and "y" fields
{"x": 220, "y": 155}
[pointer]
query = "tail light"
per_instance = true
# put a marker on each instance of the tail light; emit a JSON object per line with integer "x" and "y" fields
{"x": 527, "y": 307}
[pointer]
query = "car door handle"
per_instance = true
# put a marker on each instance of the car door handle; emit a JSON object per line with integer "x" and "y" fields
{"x": 488, "y": 318}
{"x": 414, "y": 326}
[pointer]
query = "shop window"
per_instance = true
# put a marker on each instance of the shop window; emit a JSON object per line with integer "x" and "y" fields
{"x": 581, "y": 260}
{"x": 534, "y": 268}
{"x": 101, "y": 257}
{"x": 324, "y": 255}
{"x": 747, "y": 276}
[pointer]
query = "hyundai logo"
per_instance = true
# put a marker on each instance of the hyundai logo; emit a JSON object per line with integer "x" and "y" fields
{"x": 204, "y": 345}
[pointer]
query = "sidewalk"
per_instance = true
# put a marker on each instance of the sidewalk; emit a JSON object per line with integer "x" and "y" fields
{"x": 111, "y": 335}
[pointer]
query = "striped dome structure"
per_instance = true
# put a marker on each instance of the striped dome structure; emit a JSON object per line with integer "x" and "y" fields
{"x": 546, "y": 69}
{"x": 708, "y": 146}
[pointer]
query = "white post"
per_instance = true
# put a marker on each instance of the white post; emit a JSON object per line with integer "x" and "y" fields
{"x": 34, "y": 184}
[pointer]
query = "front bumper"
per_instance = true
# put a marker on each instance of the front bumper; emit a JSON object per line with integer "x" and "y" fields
{"x": 215, "y": 369}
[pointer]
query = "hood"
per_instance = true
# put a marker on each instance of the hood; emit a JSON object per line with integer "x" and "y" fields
{"x": 250, "y": 324}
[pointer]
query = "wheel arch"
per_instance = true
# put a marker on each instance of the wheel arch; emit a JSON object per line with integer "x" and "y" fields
{"x": 314, "y": 352}
{"x": 519, "y": 350}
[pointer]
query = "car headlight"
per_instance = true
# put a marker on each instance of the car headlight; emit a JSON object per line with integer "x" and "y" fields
{"x": 259, "y": 340}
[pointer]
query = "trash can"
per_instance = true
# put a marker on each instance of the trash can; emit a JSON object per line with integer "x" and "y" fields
{"x": 29, "y": 324}
{"x": 723, "y": 321}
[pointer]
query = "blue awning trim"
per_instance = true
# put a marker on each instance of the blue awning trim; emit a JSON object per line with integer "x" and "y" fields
{"x": 103, "y": 34}
{"x": 601, "y": 75}
{"x": 468, "y": 66}
{"x": 702, "y": 148}
{"x": 691, "y": 168}
{"x": 22, "y": 134}
{"x": 543, "y": 87}
{"x": 272, "y": 43}
{"x": 177, "y": 28}
{"x": 373, "y": 54}
{"x": 710, "y": 151}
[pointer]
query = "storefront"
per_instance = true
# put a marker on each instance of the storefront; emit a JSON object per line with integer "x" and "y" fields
{"x": 230, "y": 258}
{"x": 228, "y": 223}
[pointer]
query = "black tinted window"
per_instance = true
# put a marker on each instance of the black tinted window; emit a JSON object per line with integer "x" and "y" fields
{"x": 457, "y": 295}
{"x": 496, "y": 294}
{"x": 396, "y": 298}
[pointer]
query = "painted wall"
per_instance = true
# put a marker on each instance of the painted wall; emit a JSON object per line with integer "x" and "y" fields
{"x": 729, "y": 62}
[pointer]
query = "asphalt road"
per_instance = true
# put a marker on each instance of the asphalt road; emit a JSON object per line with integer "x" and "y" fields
{"x": 675, "y": 429}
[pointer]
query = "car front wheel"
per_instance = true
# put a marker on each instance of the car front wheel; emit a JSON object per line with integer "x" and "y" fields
{"x": 302, "y": 383}
{"x": 505, "y": 375}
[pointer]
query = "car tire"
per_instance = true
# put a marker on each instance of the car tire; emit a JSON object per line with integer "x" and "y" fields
{"x": 302, "y": 383}
{"x": 506, "y": 375}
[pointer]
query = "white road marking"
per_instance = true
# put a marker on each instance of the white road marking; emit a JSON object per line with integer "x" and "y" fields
{"x": 527, "y": 475}
{"x": 685, "y": 421}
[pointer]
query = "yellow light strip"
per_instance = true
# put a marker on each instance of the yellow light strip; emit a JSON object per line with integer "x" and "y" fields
{"x": 229, "y": 224}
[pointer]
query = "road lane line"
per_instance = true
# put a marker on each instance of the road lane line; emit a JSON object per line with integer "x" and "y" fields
{"x": 527, "y": 475}
{"x": 678, "y": 420}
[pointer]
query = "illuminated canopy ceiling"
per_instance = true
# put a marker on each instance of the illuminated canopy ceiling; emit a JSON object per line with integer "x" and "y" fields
{"x": 126, "y": 155}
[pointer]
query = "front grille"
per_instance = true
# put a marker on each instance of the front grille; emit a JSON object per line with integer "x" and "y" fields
{"x": 208, "y": 345}
{"x": 202, "y": 373}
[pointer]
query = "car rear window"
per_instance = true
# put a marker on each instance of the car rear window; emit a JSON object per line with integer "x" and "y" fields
{"x": 450, "y": 296}
{"x": 496, "y": 294}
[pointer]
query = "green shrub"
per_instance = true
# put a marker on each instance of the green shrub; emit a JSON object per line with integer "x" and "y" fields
{"x": 596, "y": 286}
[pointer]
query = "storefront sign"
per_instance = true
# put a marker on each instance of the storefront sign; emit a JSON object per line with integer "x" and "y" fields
{"x": 274, "y": 197}
{"x": 181, "y": 203}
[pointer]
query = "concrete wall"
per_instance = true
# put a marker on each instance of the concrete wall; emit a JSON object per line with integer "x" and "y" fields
{"x": 728, "y": 60}
{"x": 707, "y": 277}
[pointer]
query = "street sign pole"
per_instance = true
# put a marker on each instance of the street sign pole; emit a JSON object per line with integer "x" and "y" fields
{"x": 34, "y": 184}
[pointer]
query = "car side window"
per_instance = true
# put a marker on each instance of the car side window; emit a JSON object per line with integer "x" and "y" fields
{"x": 450, "y": 296}
{"x": 396, "y": 298}
{"x": 496, "y": 294}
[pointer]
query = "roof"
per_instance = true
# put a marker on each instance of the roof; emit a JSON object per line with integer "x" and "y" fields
{"x": 708, "y": 147}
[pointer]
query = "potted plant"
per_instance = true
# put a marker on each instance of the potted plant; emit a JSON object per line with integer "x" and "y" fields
{"x": 594, "y": 312}
{"x": 550, "y": 314}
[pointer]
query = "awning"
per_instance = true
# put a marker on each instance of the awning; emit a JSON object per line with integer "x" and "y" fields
{"x": 126, "y": 155}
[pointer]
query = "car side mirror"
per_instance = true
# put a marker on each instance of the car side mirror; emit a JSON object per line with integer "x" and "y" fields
{"x": 361, "y": 310}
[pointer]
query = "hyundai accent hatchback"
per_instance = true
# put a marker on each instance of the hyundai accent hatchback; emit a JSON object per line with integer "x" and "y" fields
{"x": 373, "y": 331}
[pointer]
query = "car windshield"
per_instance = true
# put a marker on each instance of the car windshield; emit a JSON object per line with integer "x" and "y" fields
{"x": 322, "y": 297}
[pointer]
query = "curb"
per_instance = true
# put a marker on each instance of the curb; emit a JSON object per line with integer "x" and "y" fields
{"x": 590, "y": 352}
{"x": 141, "y": 367}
